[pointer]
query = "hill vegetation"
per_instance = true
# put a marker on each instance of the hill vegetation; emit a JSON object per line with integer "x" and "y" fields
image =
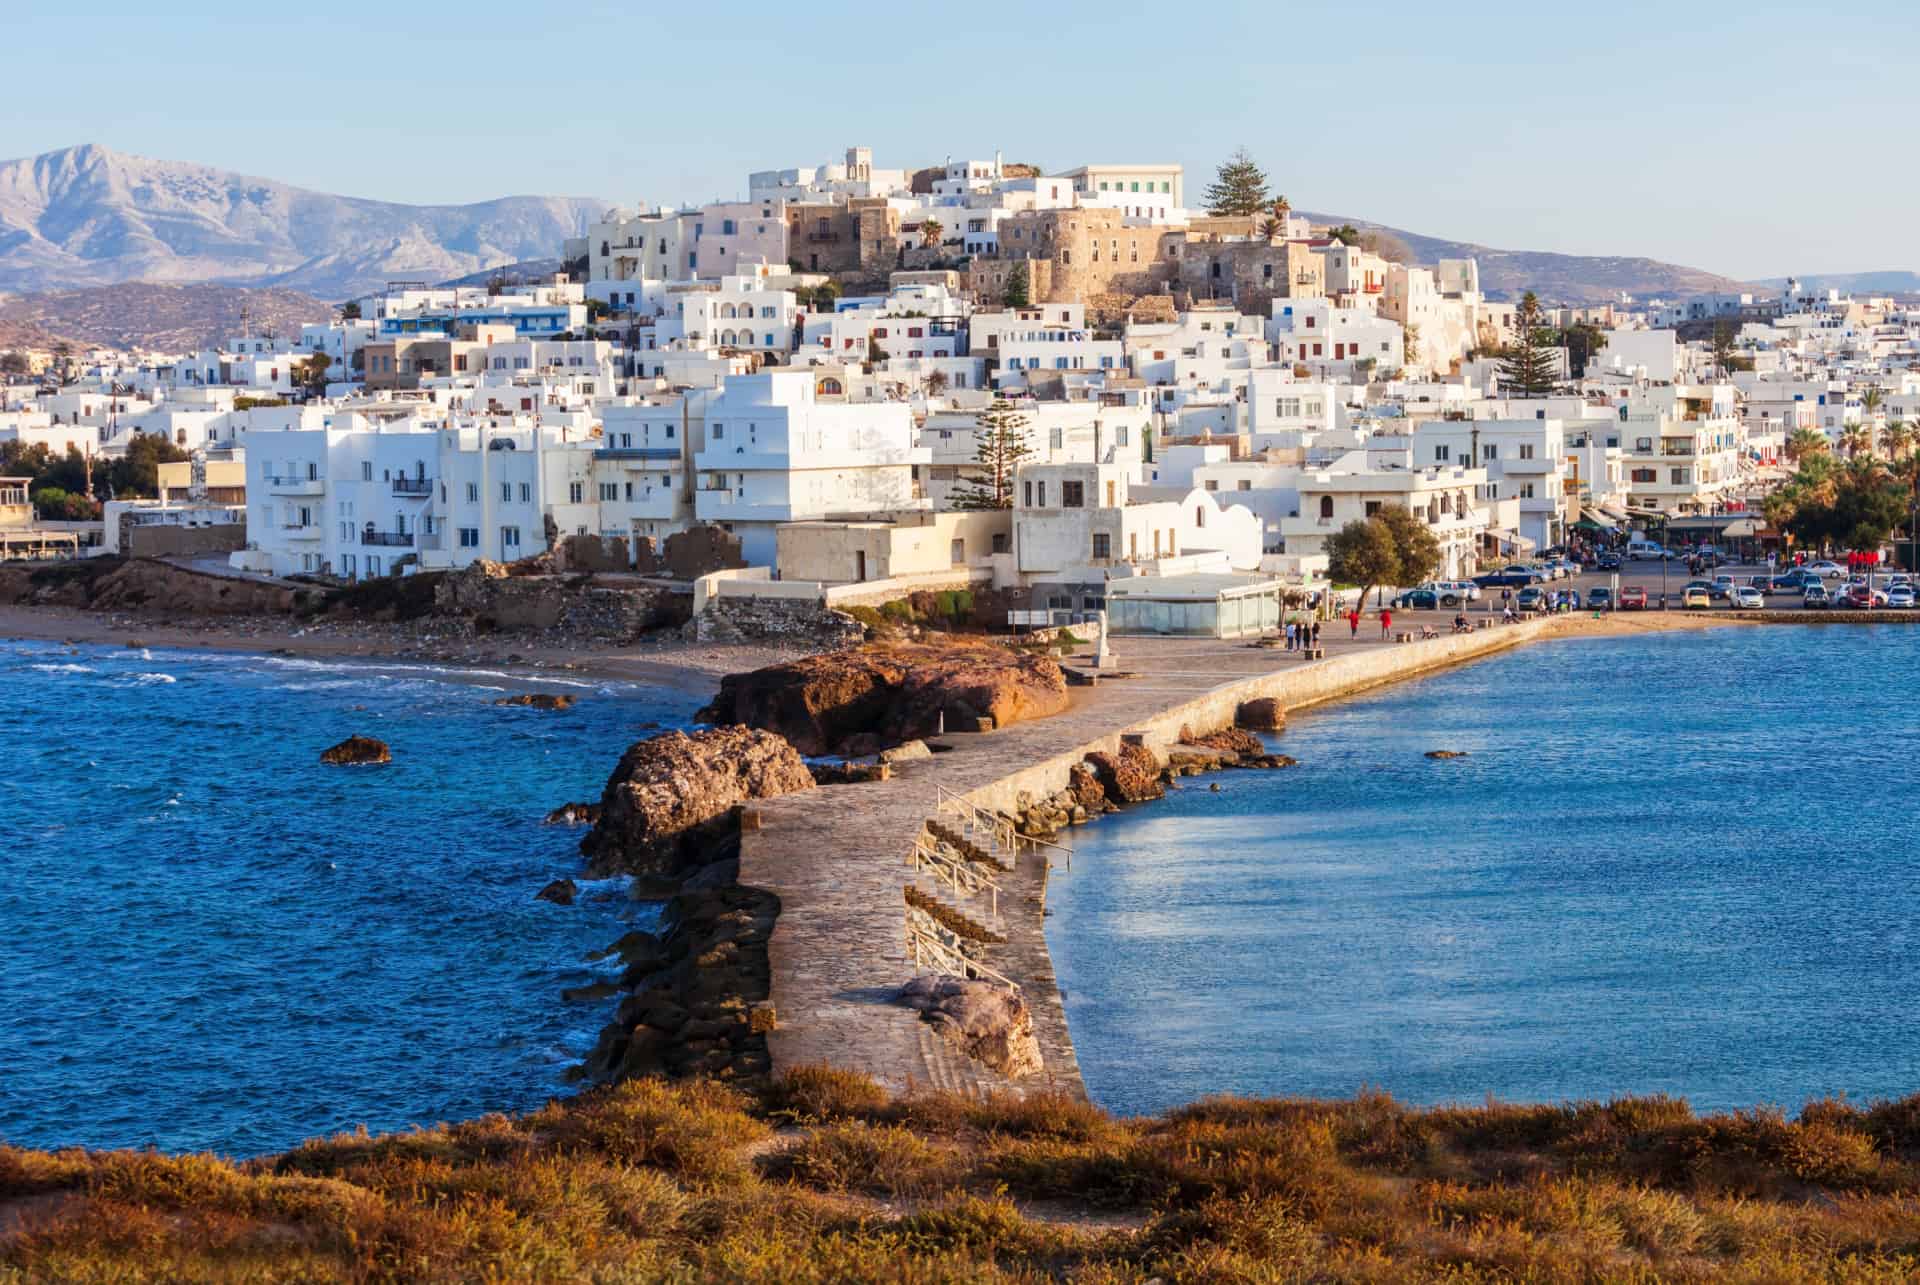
{"x": 164, "y": 318}
{"x": 826, "y": 1178}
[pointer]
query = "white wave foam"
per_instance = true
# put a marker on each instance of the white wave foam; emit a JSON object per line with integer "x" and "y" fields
{"x": 155, "y": 678}
{"x": 63, "y": 669}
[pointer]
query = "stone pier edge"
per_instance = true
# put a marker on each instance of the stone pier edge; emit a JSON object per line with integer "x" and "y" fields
{"x": 832, "y": 932}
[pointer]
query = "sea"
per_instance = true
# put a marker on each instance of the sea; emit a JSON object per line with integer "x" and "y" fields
{"x": 1678, "y": 863}
{"x": 209, "y": 941}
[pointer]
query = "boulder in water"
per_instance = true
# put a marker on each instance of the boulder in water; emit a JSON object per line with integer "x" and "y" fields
{"x": 560, "y": 892}
{"x": 574, "y": 814}
{"x": 1446, "y": 754}
{"x": 538, "y": 700}
{"x": 1262, "y": 714}
{"x": 356, "y": 750}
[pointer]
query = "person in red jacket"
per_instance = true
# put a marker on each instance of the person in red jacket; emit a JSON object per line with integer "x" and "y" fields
{"x": 1386, "y": 621}
{"x": 1353, "y": 622}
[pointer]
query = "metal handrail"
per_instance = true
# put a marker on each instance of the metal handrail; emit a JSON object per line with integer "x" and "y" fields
{"x": 947, "y": 959}
{"x": 958, "y": 874}
{"x": 977, "y": 817}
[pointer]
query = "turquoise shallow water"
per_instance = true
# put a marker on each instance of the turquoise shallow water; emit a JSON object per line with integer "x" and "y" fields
{"x": 210, "y": 941}
{"x": 1679, "y": 863}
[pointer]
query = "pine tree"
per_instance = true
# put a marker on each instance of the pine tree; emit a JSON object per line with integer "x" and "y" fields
{"x": 1239, "y": 188}
{"x": 1529, "y": 368}
{"x": 1019, "y": 288}
{"x": 1000, "y": 448}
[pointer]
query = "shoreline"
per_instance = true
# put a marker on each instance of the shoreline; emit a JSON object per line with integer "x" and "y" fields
{"x": 660, "y": 664}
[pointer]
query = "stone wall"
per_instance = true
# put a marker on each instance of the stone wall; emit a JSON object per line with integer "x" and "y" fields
{"x": 1250, "y": 273}
{"x": 570, "y": 605}
{"x": 796, "y": 620}
{"x": 591, "y": 553}
{"x": 154, "y": 540}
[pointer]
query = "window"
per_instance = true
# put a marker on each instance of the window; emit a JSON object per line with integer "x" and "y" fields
{"x": 1490, "y": 451}
{"x": 1644, "y": 475}
{"x": 473, "y": 493}
{"x": 509, "y": 537}
{"x": 1441, "y": 453}
{"x": 366, "y": 470}
{"x": 1246, "y": 484}
{"x": 1040, "y": 490}
{"x": 1526, "y": 490}
{"x": 1026, "y": 494}
{"x": 1072, "y": 495}
{"x": 1326, "y": 507}
{"x": 609, "y": 490}
{"x": 506, "y": 493}
{"x": 576, "y": 492}
{"x": 526, "y": 492}
{"x": 1526, "y": 450}
{"x": 1102, "y": 545}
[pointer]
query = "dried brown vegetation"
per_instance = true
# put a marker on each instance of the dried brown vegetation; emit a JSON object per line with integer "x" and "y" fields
{"x": 829, "y": 1178}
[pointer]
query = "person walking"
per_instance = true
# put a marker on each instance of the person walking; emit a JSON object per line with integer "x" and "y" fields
{"x": 1353, "y": 622}
{"x": 1291, "y": 627}
{"x": 1386, "y": 623}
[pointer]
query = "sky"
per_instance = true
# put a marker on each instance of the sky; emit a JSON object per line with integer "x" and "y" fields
{"x": 1753, "y": 140}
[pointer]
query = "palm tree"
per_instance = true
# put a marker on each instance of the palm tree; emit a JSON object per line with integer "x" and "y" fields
{"x": 1899, "y": 438}
{"x": 1805, "y": 442}
{"x": 1856, "y": 440}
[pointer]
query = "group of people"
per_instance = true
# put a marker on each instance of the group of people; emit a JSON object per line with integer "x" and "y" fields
{"x": 1303, "y": 635}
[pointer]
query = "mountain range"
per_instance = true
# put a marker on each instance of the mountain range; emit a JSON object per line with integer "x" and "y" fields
{"x": 1888, "y": 282}
{"x": 89, "y": 216}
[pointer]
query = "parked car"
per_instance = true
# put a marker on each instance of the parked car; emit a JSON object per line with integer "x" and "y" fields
{"x": 1609, "y": 562}
{"x": 1633, "y": 598}
{"x": 1532, "y": 598}
{"x": 1508, "y": 577}
{"x": 1826, "y": 569}
{"x": 1746, "y": 598}
{"x": 1453, "y": 592}
{"x": 1815, "y": 598}
{"x": 1762, "y": 583}
{"x": 1859, "y": 597}
{"x": 1795, "y": 581}
{"x": 1695, "y": 595}
{"x": 1600, "y": 598}
{"x": 1900, "y": 597}
{"x": 1417, "y": 600}
{"x": 1722, "y": 585}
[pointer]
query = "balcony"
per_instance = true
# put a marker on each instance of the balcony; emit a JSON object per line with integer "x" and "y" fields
{"x": 308, "y": 532}
{"x": 644, "y": 454}
{"x": 290, "y": 485}
{"x": 387, "y": 539}
{"x": 414, "y": 486}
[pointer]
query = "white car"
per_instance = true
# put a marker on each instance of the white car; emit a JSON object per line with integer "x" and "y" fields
{"x": 1825, "y": 569}
{"x": 1900, "y": 596}
{"x": 1746, "y": 597}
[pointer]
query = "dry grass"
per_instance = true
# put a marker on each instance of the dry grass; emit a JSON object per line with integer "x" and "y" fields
{"x": 649, "y": 1181}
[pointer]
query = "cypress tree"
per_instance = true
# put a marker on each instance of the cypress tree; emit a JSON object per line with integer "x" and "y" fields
{"x": 1019, "y": 287}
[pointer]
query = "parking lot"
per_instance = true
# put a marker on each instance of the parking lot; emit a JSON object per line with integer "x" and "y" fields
{"x": 1664, "y": 586}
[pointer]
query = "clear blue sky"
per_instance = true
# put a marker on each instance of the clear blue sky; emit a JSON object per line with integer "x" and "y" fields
{"x": 1751, "y": 139}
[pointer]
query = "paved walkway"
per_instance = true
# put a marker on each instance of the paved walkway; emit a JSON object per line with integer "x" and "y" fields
{"x": 837, "y": 857}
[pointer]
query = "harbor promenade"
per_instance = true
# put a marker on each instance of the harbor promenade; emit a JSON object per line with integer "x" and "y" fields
{"x": 837, "y": 857}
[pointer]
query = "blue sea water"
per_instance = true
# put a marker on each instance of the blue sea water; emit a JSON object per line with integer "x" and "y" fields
{"x": 210, "y": 941}
{"x": 1678, "y": 863}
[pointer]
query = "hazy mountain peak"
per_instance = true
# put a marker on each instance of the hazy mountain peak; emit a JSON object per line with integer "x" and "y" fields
{"x": 90, "y": 215}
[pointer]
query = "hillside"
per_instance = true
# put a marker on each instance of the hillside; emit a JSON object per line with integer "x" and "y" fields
{"x": 87, "y": 216}
{"x": 1556, "y": 278}
{"x": 167, "y": 318}
{"x": 1889, "y": 281}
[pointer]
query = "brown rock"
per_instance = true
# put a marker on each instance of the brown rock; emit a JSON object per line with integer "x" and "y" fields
{"x": 1130, "y": 776}
{"x": 356, "y": 750}
{"x": 574, "y": 814}
{"x": 1263, "y": 714}
{"x": 560, "y": 892}
{"x": 988, "y": 1022}
{"x": 671, "y": 795}
{"x": 1086, "y": 789}
{"x": 538, "y": 700}
{"x": 1446, "y": 754}
{"x": 855, "y": 701}
{"x": 1233, "y": 739}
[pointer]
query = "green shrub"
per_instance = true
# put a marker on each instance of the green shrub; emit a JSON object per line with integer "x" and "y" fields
{"x": 898, "y": 610}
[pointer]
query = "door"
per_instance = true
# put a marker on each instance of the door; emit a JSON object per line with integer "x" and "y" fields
{"x": 860, "y": 565}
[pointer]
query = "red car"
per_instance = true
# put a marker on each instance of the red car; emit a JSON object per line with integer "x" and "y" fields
{"x": 1633, "y": 598}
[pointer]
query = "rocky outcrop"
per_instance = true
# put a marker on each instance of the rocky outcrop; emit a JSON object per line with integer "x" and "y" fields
{"x": 1263, "y": 714}
{"x": 672, "y": 795}
{"x": 145, "y": 584}
{"x": 988, "y": 1022}
{"x": 538, "y": 700}
{"x": 1233, "y": 739}
{"x": 862, "y": 699}
{"x": 357, "y": 750}
{"x": 560, "y": 892}
{"x": 1130, "y": 776}
{"x": 1085, "y": 791}
{"x": 784, "y": 620}
{"x": 574, "y": 814}
{"x": 700, "y": 1001}
{"x": 1446, "y": 754}
{"x": 489, "y": 597}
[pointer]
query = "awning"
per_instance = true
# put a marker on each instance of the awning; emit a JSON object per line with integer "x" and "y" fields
{"x": 1744, "y": 527}
{"x": 1593, "y": 522}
